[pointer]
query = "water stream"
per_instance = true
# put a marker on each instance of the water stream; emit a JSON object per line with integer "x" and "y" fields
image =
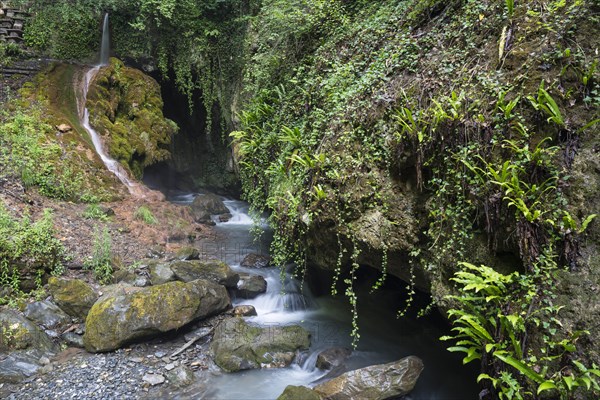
{"x": 384, "y": 338}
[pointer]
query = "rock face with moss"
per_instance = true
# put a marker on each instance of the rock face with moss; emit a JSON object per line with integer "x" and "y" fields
{"x": 125, "y": 107}
{"x": 73, "y": 296}
{"x": 238, "y": 346}
{"x": 123, "y": 317}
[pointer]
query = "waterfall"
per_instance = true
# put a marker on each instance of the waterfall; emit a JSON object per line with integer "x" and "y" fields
{"x": 105, "y": 46}
{"x": 135, "y": 188}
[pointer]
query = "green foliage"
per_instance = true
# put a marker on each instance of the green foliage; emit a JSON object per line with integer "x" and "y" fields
{"x": 144, "y": 214}
{"x": 94, "y": 211}
{"x": 100, "y": 261}
{"x": 8, "y": 53}
{"x": 29, "y": 152}
{"x": 497, "y": 316}
{"x": 27, "y": 248}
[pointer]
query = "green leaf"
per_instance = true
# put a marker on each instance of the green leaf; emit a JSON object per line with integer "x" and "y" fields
{"x": 519, "y": 365}
{"x": 547, "y": 385}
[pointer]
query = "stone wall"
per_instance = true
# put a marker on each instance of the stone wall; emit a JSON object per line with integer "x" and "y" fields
{"x": 11, "y": 24}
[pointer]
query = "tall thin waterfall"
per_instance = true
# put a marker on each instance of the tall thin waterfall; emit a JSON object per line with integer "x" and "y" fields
{"x": 105, "y": 46}
{"x": 135, "y": 188}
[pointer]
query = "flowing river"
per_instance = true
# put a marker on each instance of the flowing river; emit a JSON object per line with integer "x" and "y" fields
{"x": 384, "y": 338}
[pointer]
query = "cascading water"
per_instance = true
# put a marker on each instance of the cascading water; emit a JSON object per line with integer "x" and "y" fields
{"x": 384, "y": 338}
{"x": 135, "y": 188}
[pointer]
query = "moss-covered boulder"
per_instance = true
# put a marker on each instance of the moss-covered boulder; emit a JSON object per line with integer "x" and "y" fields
{"x": 212, "y": 270}
{"x": 73, "y": 296}
{"x": 206, "y": 205}
{"x": 121, "y": 318}
{"x": 298, "y": 393}
{"x": 238, "y": 346}
{"x": 377, "y": 382}
{"x": 125, "y": 107}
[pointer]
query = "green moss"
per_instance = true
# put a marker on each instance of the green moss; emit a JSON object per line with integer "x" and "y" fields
{"x": 126, "y": 109}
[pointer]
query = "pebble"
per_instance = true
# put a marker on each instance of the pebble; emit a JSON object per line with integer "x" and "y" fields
{"x": 153, "y": 379}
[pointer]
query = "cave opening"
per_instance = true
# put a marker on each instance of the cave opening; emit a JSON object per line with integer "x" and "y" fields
{"x": 201, "y": 158}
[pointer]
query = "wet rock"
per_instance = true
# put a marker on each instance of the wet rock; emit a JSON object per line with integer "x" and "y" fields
{"x": 72, "y": 339}
{"x": 117, "y": 320}
{"x": 225, "y": 217}
{"x": 181, "y": 376}
{"x": 251, "y": 286}
{"x": 212, "y": 270}
{"x": 153, "y": 379}
{"x": 298, "y": 393}
{"x": 73, "y": 296}
{"x": 160, "y": 273}
{"x": 376, "y": 382}
{"x": 206, "y": 205}
{"x": 244, "y": 311}
{"x": 187, "y": 253}
{"x": 332, "y": 357}
{"x": 237, "y": 345}
{"x": 254, "y": 260}
{"x": 46, "y": 314}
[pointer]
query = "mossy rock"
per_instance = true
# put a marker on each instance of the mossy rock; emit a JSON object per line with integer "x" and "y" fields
{"x": 238, "y": 346}
{"x": 298, "y": 393}
{"x": 121, "y": 318}
{"x": 73, "y": 296}
{"x": 125, "y": 107}
{"x": 213, "y": 270}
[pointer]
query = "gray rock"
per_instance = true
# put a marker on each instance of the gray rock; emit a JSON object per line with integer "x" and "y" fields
{"x": 244, "y": 311}
{"x": 46, "y": 314}
{"x": 153, "y": 379}
{"x": 298, "y": 393}
{"x": 332, "y": 357}
{"x": 251, "y": 286}
{"x": 206, "y": 205}
{"x": 254, "y": 260}
{"x": 237, "y": 345}
{"x": 73, "y": 296}
{"x": 160, "y": 273}
{"x": 72, "y": 339}
{"x": 117, "y": 320}
{"x": 198, "y": 333}
{"x": 377, "y": 382}
{"x": 181, "y": 376}
{"x": 187, "y": 253}
{"x": 25, "y": 345}
{"x": 212, "y": 270}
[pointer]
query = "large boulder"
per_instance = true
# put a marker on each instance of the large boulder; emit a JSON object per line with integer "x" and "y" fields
{"x": 377, "y": 382}
{"x": 238, "y": 346}
{"x": 120, "y": 319}
{"x": 24, "y": 345}
{"x": 46, "y": 314}
{"x": 251, "y": 286}
{"x": 212, "y": 270}
{"x": 73, "y": 296}
{"x": 298, "y": 393}
{"x": 206, "y": 205}
{"x": 160, "y": 272}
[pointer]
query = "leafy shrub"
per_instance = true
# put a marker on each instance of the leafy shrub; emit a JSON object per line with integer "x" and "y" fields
{"x": 94, "y": 211}
{"x": 100, "y": 261}
{"x": 28, "y": 249}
